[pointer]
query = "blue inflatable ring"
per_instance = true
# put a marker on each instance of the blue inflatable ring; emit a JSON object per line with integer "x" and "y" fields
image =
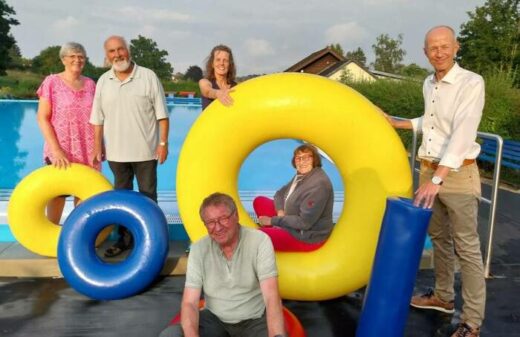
{"x": 89, "y": 274}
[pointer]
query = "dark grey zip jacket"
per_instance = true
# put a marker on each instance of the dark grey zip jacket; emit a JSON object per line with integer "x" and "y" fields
{"x": 308, "y": 210}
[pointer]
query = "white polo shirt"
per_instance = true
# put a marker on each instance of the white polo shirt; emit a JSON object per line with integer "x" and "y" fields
{"x": 452, "y": 112}
{"x": 129, "y": 111}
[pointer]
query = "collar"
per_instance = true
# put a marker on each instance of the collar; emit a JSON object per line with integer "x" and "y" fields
{"x": 450, "y": 77}
{"x": 133, "y": 74}
{"x": 452, "y": 74}
{"x": 305, "y": 176}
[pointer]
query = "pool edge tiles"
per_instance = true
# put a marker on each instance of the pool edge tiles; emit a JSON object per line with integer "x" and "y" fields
{"x": 16, "y": 261}
{"x": 168, "y": 202}
{"x": 176, "y": 233}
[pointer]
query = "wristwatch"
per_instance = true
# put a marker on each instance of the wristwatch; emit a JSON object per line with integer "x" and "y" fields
{"x": 163, "y": 143}
{"x": 436, "y": 180}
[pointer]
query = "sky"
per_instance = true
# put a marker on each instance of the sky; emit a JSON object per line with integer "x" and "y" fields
{"x": 266, "y": 36}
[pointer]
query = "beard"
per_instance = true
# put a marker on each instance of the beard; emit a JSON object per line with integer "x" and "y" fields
{"x": 121, "y": 65}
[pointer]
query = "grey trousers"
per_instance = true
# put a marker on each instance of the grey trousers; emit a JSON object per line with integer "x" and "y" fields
{"x": 144, "y": 171}
{"x": 146, "y": 174}
{"x": 453, "y": 230}
{"x": 211, "y": 326}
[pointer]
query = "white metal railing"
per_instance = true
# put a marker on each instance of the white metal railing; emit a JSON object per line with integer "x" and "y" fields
{"x": 492, "y": 201}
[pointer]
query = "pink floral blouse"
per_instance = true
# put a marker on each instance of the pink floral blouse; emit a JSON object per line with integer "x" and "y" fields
{"x": 70, "y": 114}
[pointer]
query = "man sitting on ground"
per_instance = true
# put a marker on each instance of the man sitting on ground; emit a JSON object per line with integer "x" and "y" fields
{"x": 236, "y": 267}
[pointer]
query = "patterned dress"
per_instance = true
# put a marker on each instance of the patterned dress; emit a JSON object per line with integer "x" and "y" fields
{"x": 70, "y": 114}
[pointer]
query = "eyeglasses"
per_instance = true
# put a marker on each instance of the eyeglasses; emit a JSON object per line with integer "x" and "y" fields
{"x": 76, "y": 57}
{"x": 223, "y": 220}
{"x": 305, "y": 157}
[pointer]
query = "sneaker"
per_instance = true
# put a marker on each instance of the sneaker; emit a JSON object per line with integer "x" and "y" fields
{"x": 430, "y": 301}
{"x": 464, "y": 330}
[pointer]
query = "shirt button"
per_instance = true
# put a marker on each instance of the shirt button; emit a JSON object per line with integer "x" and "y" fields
{"x": 435, "y": 88}
{"x": 428, "y": 152}
{"x": 430, "y": 140}
{"x": 432, "y": 127}
{"x": 431, "y": 115}
{"x": 433, "y": 101}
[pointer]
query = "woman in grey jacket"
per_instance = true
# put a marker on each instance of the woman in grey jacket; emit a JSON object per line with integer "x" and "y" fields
{"x": 300, "y": 218}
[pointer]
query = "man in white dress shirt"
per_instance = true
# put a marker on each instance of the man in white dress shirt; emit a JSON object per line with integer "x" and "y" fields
{"x": 449, "y": 180}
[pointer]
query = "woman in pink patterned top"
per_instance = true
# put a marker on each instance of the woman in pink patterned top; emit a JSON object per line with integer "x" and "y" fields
{"x": 63, "y": 116}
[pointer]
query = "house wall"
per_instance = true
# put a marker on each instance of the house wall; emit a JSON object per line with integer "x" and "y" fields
{"x": 358, "y": 74}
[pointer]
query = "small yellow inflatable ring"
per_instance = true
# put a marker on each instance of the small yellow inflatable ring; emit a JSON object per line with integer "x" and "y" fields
{"x": 26, "y": 209}
{"x": 366, "y": 150}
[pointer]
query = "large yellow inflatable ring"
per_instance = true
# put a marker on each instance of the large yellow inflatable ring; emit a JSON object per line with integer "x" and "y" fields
{"x": 367, "y": 151}
{"x": 26, "y": 210}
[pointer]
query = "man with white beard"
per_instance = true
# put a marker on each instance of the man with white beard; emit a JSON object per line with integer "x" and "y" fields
{"x": 130, "y": 113}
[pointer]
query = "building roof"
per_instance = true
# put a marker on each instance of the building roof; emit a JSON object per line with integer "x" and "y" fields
{"x": 314, "y": 57}
{"x": 388, "y": 75}
{"x": 327, "y": 69}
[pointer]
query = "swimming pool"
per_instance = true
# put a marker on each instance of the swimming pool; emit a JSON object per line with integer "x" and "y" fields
{"x": 265, "y": 170}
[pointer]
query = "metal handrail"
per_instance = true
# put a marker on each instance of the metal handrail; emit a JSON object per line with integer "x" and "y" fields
{"x": 492, "y": 201}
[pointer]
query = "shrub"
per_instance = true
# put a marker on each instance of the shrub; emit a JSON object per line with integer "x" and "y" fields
{"x": 404, "y": 99}
{"x": 181, "y": 86}
{"x": 20, "y": 84}
{"x": 502, "y": 110}
{"x": 396, "y": 98}
{"x": 501, "y": 113}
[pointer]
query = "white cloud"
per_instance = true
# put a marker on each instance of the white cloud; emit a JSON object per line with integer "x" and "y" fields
{"x": 258, "y": 47}
{"x": 64, "y": 25}
{"x": 388, "y": 2}
{"x": 290, "y": 29}
{"x": 152, "y": 15}
{"x": 345, "y": 33}
{"x": 147, "y": 30}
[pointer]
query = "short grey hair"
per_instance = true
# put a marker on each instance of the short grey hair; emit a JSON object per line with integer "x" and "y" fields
{"x": 217, "y": 199}
{"x": 116, "y": 37}
{"x": 72, "y": 47}
{"x": 107, "y": 63}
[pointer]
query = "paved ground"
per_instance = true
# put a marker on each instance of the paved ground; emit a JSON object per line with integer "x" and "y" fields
{"x": 49, "y": 307}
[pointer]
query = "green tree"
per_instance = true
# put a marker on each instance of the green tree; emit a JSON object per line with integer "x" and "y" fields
{"x": 178, "y": 76}
{"x": 389, "y": 53}
{"x": 490, "y": 39}
{"x": 336, "y": 47}
{"x": 48, "y": 61}
{"x": 16, "y": 61}
{"x": 6, "y": 38}
{"x": 346, "y": 77}
{"x": 146, "y": 53}
{"x": 414, "y": 70}
{"x": 357, "y": 55}
{"x": 193, "y": 73}
{"x": 92, "y": 71}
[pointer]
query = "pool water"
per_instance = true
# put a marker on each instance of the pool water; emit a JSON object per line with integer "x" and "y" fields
{"x": 266, "y": 169}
